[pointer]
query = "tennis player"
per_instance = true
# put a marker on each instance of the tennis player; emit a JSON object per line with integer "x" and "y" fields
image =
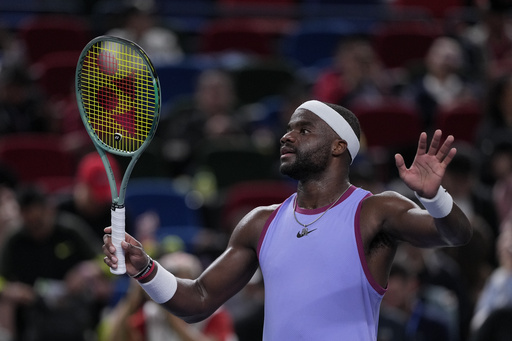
{"x": 325, "y": 252}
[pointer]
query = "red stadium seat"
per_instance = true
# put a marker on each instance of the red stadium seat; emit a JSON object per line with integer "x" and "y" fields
{"x": 437, "y": 8}
{"x": 388, "y": 126}
{"x": 255, "y": 36}
{"x": 389, "y": 123}
{"x": 461, "y": 121}
{"x": 401, "y": 43}
{"x": 39, "y": 159}
{"x": 244, "y": 196}
{"x": 43, "y": 34}
{"x": 56, "y": 73}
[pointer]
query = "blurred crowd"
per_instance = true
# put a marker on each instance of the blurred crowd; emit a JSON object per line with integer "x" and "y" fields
{"x": 232, "y": 72}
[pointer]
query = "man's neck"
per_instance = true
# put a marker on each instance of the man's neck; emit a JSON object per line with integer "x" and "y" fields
{"x": 315, "y": 195}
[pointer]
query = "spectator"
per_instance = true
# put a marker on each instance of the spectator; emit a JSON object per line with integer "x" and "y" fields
{"x": 35, "y": 263}
{"x": 497, "y": 292}
{"x": 247, "y": 308}
{"x": 10, "y": 216}
{"x": 496, "y": 327}
{"x": 476, "y": 259}
{"x": 137, "y": 318}
{"x": 22, "y": 109}
{"x": 210, "y": 116}
{"x": 495, "y": 131}
{"x": 355, "y": 73}
{"x": 491, "y": 35}
{"x": 442, "y": 85}
{"x": 160, "y": 43}
{"x": 443, "y": 285}
{"x": 501, "y": 163}
{"x": 91, "y": 196}
{"x": 405, "y": 314}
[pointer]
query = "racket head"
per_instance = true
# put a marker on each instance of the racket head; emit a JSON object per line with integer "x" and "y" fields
{"x": 118, "y": 95}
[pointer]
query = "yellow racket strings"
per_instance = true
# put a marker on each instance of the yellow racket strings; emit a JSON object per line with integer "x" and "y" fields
{"x": 119, "y": 95}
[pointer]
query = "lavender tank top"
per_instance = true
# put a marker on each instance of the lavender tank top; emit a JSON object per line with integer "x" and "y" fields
{"x": 317, "y": 284}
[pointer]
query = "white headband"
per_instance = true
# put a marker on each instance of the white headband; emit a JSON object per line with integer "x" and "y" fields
{"x": 336, "y": 122}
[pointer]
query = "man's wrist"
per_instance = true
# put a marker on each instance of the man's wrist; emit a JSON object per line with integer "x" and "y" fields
{"x": 440, "y": 205}
{"x": 160, "y": 285}
{"x": 146, "y": 271}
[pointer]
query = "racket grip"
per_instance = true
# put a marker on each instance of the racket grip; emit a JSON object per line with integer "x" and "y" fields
{"x": 118, "y": 235}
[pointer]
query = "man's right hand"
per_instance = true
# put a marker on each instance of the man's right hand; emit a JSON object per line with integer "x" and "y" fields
{"x": 135, "y": 257}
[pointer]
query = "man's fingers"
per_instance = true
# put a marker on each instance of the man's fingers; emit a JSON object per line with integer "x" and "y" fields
{"x": 108, "y": 248}
{"x": 110, "y": 262}
{"x": 400, "y": 163}
{"x": 446, "y": 148}
{"x": 436, "y": 141}
{"x": 449, "y": 156}
{"x": 422, "y": 144}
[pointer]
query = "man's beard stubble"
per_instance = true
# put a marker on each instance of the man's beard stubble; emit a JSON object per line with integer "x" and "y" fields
{"x": 307, "y": 164}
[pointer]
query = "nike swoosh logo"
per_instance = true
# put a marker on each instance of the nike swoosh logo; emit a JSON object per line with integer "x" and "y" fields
{"x": 304, "y": 232}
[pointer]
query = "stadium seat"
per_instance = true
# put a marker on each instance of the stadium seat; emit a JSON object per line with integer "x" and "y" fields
{"x": 160, "y": 196}
{"x": 42, "y": 34}
{"x": 400, "y": 44}
{"x": 230, "y": 164}
{"x": 251, "y": 36}
{"x": 388, "y": 126}
{"x": 39, "y": 158}
{"x": 258, "y": 80}
{"x": 244, "y": 196}
{"x": 388, "y": 123}
{"x": 55, "y": 73}
{"x": 178, "y": 81}
{"x": 316, "y": 40}
{"x": 461, "y": 121}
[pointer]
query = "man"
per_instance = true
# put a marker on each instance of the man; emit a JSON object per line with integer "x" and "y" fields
{"x": 326, "y": 252}
{"x": 47, "y": 267}
{"x": 91, "y": 199}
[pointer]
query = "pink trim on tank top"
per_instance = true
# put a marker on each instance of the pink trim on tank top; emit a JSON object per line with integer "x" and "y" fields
{"x": 322, "y": 209}
{"x": 265, "y": 228}
{"x": 357, "y": 229}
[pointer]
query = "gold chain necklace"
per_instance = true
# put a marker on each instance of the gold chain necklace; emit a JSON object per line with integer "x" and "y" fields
{"x": 305, "y": 231}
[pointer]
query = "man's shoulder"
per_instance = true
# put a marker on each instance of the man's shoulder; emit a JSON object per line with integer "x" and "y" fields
{"x": 385, "y": 197}
{"x": 252, "y": 224}
{"x": 261, "y": 214}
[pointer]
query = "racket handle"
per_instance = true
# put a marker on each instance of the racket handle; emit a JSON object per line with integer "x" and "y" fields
{"x": 118, "y": 235}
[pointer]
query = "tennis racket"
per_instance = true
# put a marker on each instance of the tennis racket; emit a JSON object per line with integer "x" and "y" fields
{"x": 118, "y": 95}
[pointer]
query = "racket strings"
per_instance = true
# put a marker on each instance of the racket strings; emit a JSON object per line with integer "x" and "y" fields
{"x": 119, "y": 95}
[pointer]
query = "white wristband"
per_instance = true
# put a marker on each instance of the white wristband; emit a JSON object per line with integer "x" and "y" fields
{"x": 162, "y": 287}
{"x": 440, "y": 205}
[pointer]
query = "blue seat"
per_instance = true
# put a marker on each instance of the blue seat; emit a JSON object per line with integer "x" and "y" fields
{"x": 316, "y": 40}
{"x": 179, "y": 80}
{"x": 161, "y": 197}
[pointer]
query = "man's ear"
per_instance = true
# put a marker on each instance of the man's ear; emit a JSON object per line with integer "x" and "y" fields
{"x": 339, "y": 147}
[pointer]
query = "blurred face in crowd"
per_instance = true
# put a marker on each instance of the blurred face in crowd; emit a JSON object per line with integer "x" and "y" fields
{"x": 38, "y": 220}
{"x": 444, "y": 57}
{"x": 215, "y": 93}
{"x": 9, "y": 208}
{"x": 357, "y": 61}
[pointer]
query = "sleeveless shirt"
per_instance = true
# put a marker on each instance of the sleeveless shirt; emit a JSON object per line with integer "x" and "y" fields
{"x": 317, "y": 284}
